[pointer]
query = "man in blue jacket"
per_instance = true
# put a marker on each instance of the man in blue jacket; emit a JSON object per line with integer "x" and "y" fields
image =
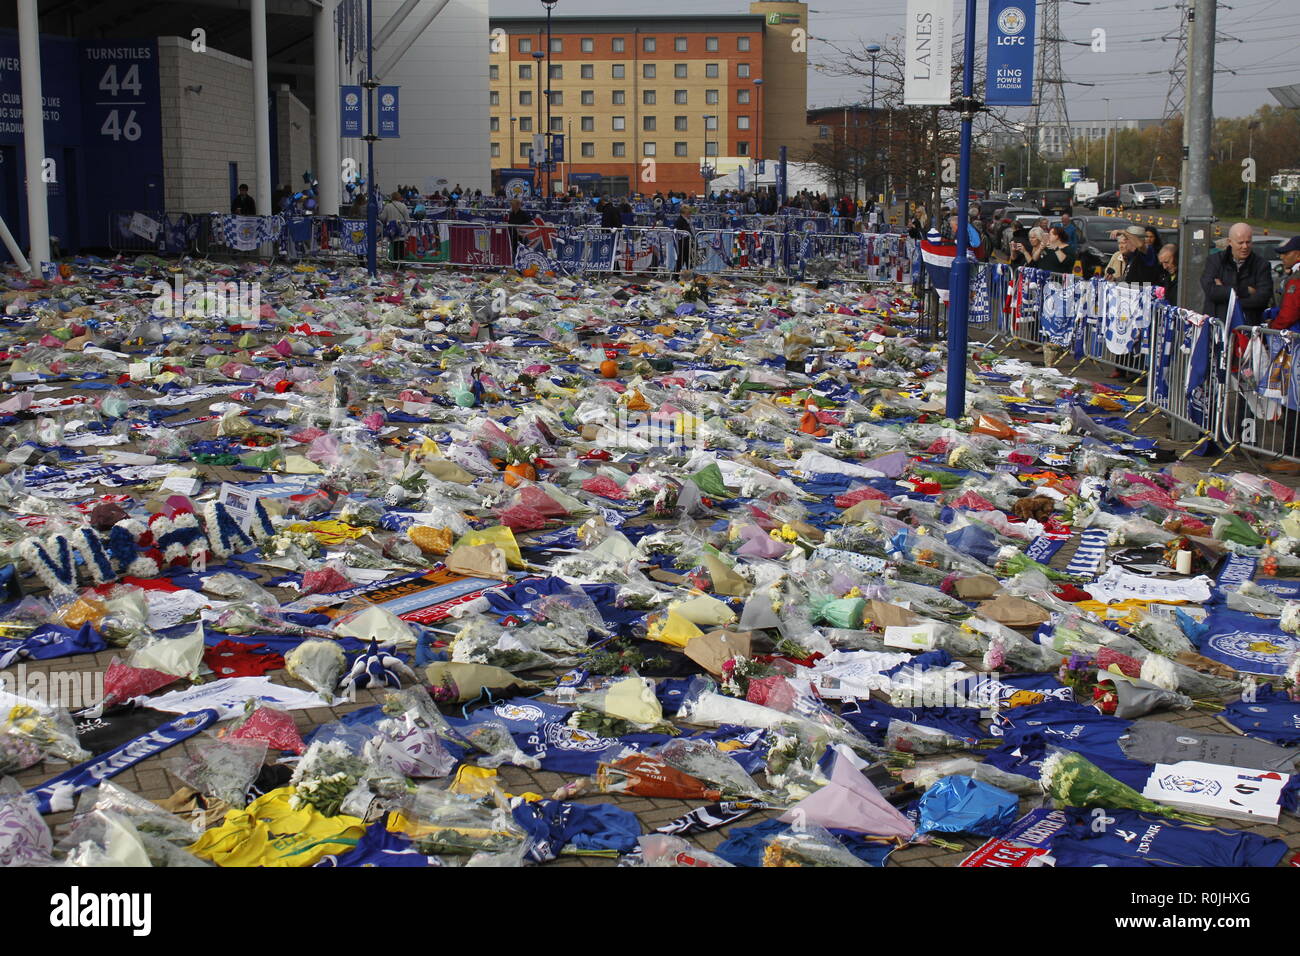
{"x": 1238, "y": 267}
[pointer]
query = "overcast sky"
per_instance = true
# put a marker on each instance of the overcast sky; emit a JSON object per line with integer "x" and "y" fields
{"x": 1133, "y": 71}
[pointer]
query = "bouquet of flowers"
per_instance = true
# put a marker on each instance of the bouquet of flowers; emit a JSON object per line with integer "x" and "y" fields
{"x": 319, "y": 664}
{"x": 17, "y": 753}
{"x": 493, "y": 738}
{"x": 1074, "y": 781}
{"x": 704, "y": 761}
{"x": 52, "y": 732}
{"x": 808, "y": 845}
{"x": 221, "y": 769}
{"x": 325, "y": 776}
{"x": 908, "y": 738}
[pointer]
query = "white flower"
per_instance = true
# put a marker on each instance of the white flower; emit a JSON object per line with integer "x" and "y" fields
{"x": 1290, "y": 621}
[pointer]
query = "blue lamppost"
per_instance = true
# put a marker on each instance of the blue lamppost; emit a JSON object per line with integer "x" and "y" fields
{"x": 959, "y": 293}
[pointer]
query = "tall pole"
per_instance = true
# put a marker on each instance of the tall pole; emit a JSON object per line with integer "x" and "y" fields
{"x": 873, "y": 50}
{"x": 1198, "y": 208}
{"x": 326, "y": 67}
{"x": 959, "y": 295}
{"x": 38, "y": 213}
{"x": 372, "y": 205}
{"x": 1250, "y": 151}
{"x": 1114, "y": 166}
{"x": 539, "y": 161}
{"x": 550, "y": 4}
{"x": 261, "y": 108}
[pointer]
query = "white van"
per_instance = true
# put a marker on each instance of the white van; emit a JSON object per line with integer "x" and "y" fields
{"x": 1084, "y": 189}
{"x": 1139, "y": 196}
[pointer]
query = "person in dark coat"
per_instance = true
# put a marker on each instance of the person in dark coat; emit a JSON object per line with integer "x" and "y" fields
{"x": 685, "y": 240}
{"x": 1238, "y": 268}
{"x": 516, "y": 219}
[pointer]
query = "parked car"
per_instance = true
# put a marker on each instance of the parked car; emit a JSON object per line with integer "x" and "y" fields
{"x": 1016, "y": 195}
{"x": 1054, "y": 201}
{"x": 1169, "y": 195}
{"x": 1097, "y": 231}
{"x": 992, "y": 208}
{"x": 1106, "y": 200}
{"x": 1139, "y": 196}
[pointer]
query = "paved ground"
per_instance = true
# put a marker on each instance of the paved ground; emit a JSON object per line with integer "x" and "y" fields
{"x": 151, "y": 780}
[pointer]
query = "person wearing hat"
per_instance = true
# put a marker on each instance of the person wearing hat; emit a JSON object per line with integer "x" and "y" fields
{"x": 1129, "y": 263}
{"x": 1288, "y": 310}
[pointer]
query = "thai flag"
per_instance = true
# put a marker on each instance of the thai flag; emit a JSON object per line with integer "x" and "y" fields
{"x": 938, "y": 254}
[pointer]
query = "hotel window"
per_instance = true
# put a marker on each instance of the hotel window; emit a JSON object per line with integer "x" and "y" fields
{"x": 742, "y": 70}
{"x": 679, "y": 70}
{"x": 588, "y": 150}
{"x": 679, "y": 44}
{"x": 557, "y": 45}
{"x": 494, "y": 72}
{"x": 648, "y": 124}
{"x": 679, "y": 123}
{"x": 557, "y": 98}
{"x": 711, "y": 97}
{"x": 742, "y": 122}
{"x": 525, "y": 124}
{"x": 525, "y": 97}
{"x": 617, "y": 44}
{"x": 711, "y": 148}
{"x": 588, "y": 45}
{"x": 742, "y": 149}
{"x": 824, "y": 132}
{"x": 557, "y": 71}
{"x": 524, "y": 150}
{"x": 710, "y": 122}
{"x": 648, "y": 44}
{"x": 679, "y": 149}
{"x": 711, "y": 44}
{"x": 711, "y": 70}
{"x": 494, "y": 124}
{"x": 620, "y": 149}
{"x": 619, "y": 123}
{"x": 742, "y": 96}
{"x": 587, "y": 71}
{"x": 647, "y": 149}
{"x": 617, "y": 71}
{"x": 494, "y": 98}
{"x": 618, "y": 97}
{"x": 679, "y": 97}
{"x": 557, "y": 124}
{"x": 648, "y": 97}
{"x": 496, "y": 150}
{"x": 525, "y": 45}
{"x": 588, "y": 97}
{"x": 588, "y": 124}
{"x": 525, "y": 71}
{"x": 742, "y": 44}
{"x": 647, "y": 71}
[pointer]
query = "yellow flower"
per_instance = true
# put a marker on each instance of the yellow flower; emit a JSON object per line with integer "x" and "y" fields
{"x": 854, "y": 592}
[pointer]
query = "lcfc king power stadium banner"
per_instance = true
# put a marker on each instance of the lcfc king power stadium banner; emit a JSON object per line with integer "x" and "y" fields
{"x": 928, "y": 47}
{"x": 1011, "y": 53}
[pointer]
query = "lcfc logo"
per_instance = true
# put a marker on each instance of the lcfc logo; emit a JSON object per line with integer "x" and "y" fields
{"x": 1011, "y": 21}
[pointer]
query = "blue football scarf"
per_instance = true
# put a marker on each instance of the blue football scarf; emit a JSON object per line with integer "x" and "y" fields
{"x": 1270, "y": 716}
{"x": 1042, "y": 549}
{"x": 1236, "y": 571}
{"x": 1249, "y": 644}
{"x": 1090, "y": 553}
{"x": 57, "y": 793}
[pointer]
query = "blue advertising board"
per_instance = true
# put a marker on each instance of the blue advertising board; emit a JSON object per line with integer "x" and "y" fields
{"x": 557, "y": 148}
{"x": 388, "y": 128}
{"x": 350, "y": 112}
{"x": 1011, "y": 53}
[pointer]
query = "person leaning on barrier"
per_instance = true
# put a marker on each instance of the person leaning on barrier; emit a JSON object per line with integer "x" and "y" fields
{"x": 1287, "y": 316}
{"x": 1238, "y": 268}
{"x": 684, "y": 242}
{"x": 1168, "y": 259}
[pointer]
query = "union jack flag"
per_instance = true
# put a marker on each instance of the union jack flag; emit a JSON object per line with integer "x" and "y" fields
{"x": 542, "y": 234}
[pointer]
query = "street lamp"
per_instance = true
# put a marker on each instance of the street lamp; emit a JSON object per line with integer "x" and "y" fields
{"x": 873, "y": 51}
{"x": 707, "y": 168}
{"x": 1105, "y": 148}
{"x": 549, "y": 5}
{"x": 538, "y": 160}
{"x": 758, "y": 131}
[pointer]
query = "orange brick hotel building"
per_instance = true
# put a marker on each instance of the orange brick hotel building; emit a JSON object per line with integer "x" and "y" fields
{"x": 643, "y": 95}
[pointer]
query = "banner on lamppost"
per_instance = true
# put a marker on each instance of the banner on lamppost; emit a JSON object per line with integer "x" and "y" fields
{"x": 388, "y": 102}
{"x": 350, "y": 111}
{"x": 928, "y": 53}
{"x": 1011, "y": 53}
